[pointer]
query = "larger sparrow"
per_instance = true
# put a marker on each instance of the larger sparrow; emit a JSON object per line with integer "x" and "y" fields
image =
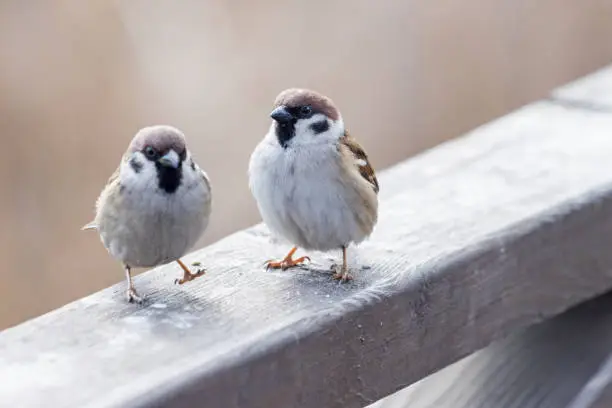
{"x": 155, "y": 206}
{"x": 312, "y": 181}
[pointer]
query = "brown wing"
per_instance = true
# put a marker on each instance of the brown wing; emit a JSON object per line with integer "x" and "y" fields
{"x": 363, "y": 164}
{"x": 113, "y": 179}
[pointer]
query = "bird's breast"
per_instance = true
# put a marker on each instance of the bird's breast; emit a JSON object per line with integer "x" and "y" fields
{"x": 301, "y": 197}
{"x": 154, "y": 227}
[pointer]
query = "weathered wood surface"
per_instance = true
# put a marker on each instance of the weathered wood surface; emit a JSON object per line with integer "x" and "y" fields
{"x": 477, "y": 238}
{"x": 556, "y": 364}
{"x": 593, "y": 92}
{"x": 597, "y": 393}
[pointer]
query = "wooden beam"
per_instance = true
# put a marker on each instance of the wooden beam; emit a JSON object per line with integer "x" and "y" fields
{"x": 555, "y": 364}
{"x": 592, "y": 92}
{"x": 477, "y": 238}
{"x": 597, "y": 393}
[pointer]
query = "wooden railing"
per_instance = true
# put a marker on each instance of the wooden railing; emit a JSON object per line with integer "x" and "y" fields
{"x": 478, "y": 239}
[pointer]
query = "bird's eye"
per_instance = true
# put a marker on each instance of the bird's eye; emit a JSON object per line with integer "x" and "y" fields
{"x": 150, "y": 152}
{"x": 305, "y": 111}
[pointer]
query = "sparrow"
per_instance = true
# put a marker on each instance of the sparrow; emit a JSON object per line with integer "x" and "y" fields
{"x": 155, "y": 206}
{"x": 312, "y": 181}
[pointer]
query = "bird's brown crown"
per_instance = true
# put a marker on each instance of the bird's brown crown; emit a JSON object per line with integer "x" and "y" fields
{"x": 162, "y": 138}
{"x": 295, "y": 97}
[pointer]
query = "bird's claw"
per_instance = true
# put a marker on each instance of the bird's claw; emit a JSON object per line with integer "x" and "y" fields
{"x": 341, "y": 273}
{"x": 343, "y": 277}
{"x": 285, "y": 263}
{"x": 133, "y": 297}
{"x": 188, "y": 277}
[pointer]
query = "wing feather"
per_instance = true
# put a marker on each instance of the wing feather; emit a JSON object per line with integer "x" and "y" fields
{"x": 361, "y": 160}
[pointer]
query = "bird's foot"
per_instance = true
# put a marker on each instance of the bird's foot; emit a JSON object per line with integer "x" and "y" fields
{"x": 287, "y": 262}
{"x": 133, "y": 297}
{"x": 341, "y": 273}
{"x": 187, "y": 275}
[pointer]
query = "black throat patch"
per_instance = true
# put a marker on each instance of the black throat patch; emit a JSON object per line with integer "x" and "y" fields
{"x": 169, "y": 179}
{"x": 285, "y": 132}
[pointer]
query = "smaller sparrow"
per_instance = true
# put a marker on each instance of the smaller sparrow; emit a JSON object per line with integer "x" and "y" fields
{"x": 312, "y": 181}
{"x": 155, "y": 206}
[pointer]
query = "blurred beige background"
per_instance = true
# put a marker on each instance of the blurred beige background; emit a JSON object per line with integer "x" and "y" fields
{"x": 78, "y": 78}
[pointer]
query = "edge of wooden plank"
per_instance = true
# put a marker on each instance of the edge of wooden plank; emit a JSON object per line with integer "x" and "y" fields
{"x": 592, "y": 92}
{"x": 597, "y": 392}
{"x": 544, "y": 366}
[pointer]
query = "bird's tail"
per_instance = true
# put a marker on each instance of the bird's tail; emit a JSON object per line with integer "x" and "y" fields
{"x": 90, "y": 226}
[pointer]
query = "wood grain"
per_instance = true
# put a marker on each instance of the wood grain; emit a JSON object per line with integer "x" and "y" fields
{"x": 477, "y": 238}
{"x": 589, "y": 93}
{"x": 597, "y": 392}
{"x": 555, "y": 364}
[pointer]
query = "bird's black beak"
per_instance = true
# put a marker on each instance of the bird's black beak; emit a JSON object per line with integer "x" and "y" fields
{"x": 281, "y": 115}
{"x": 170, "y": 159}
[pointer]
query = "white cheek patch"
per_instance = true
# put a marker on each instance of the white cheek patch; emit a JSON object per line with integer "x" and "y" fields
{"x": 137, "y": 172}
{"x": 305, "y": 135}
{"x": 136, "y": 163}
{"x": 303, "y": 125}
